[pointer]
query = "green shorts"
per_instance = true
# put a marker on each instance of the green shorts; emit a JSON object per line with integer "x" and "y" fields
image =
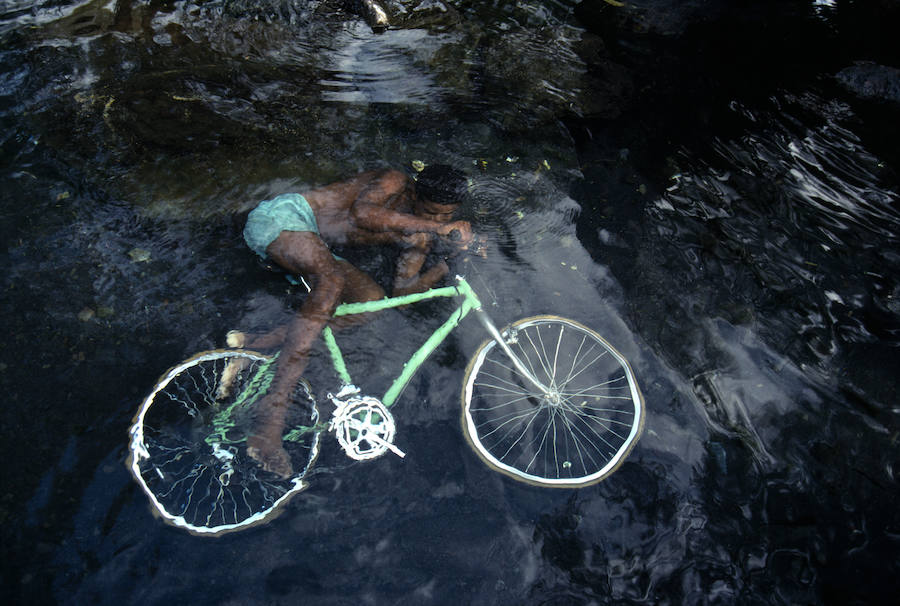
{"x": 287, "y": 212}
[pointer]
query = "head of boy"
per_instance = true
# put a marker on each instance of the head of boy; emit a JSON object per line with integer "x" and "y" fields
{"x": 440, "y": 190}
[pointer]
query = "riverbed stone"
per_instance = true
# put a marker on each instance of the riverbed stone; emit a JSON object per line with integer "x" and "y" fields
{"x": 872, "y": 81}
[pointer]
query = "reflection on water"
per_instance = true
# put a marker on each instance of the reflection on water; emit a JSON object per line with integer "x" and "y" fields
{"x": 794, "y": 214}
{"x": 783, "y": 244}
{"x": 367, "y": 69}
{"x": 754, "y": 289}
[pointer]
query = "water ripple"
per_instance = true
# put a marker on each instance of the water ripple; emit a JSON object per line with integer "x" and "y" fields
{"x": 362, "y": 67}
{"x": 778, "y": 211}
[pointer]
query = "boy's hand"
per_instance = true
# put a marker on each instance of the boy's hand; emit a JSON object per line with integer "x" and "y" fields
{"x": 457, "y": 232}
{"x": 420, "y": 240}
{"x": 479, "y": 246}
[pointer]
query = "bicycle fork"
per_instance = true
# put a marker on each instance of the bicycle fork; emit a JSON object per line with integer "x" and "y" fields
{"x": 475, "y": 305}
{"x": 495, "y": 334}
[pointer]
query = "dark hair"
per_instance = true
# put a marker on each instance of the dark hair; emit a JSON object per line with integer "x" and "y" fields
{"x": 442, "y": 184}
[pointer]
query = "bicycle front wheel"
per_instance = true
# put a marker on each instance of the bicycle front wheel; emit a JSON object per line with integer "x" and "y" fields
{"x": 189, "y": 450}
{"x": 574, "y": 434}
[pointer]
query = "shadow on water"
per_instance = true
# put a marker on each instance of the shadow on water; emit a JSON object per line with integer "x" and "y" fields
{"x": 729, "y": 224}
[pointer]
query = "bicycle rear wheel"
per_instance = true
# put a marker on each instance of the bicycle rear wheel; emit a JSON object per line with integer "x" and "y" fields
{"x": 576, "y": 434}
{"x": 188, "y": 443}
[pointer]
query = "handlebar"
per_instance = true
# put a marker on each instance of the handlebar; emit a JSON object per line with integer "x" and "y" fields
{"x": 476, "y": 247}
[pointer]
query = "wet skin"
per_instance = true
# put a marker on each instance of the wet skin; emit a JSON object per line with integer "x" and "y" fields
{"x": 375, "y": 208}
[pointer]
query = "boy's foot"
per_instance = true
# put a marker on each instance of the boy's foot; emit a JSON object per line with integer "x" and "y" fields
{"x": 233, "y": 367}
{"x": 235, "y": 339}
{"x": 271, "y": 457}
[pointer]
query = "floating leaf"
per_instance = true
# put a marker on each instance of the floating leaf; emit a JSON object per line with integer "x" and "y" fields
{"x": 139, "y": 255}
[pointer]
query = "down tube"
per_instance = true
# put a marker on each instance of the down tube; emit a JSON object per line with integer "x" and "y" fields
{"x": 419, "y": 357}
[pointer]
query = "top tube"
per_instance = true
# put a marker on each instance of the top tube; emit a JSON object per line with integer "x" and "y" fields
{"x": 461, "y": 289}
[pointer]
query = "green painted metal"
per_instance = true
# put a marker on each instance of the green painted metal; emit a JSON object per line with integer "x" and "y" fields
{"x": 259, "y": 384}
{"x": 337, "y": 359}
{"x": 462, "y": 289}
{"x": 466, "y": 291}
{"x": 347, "y": 309}
{"x": 421, "y": 354}
{"x": 261, "y": 380}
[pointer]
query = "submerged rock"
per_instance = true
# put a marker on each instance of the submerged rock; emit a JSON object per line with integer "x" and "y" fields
{"x": 424, "y": 14}
{"x": 871, "y": 81}
{"x": 374, "y": 13}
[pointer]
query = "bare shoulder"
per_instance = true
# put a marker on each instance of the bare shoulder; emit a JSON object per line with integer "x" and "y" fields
{"x": 392, "y": 181}
{"x": 380, "y": 187}
{"x": 383, "y": 188}
{"x": 338, "y": 195}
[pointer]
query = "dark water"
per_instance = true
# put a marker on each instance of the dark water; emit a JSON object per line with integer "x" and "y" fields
{"x": 705, "y": 184}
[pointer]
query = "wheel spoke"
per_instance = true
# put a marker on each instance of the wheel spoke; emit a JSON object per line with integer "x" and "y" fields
{"x": 575, "y": 360}
{"x": 514, "y": 387}
{"x": 542, "y": 357}
{"x": 505, "y": 420}
{"x": 543, "y": 436}
{"x": 574, "y": 427}
{"x": 588, "y": 365}
{"x": 503, "y": 405}
{"x": 521, "y": 435}
{"x": 527, "y": 359}
{"x": 556, "y": 356}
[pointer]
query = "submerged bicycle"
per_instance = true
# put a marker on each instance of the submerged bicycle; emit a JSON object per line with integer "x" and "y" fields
{"x": 546, "y": 401}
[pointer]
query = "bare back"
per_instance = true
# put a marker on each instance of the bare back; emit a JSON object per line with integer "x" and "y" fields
{"x": 333, "y": 205}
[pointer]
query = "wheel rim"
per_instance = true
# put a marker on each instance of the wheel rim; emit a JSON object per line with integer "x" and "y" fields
{"x": 576, "y": 434}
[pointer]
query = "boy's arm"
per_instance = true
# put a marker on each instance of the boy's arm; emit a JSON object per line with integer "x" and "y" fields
{"x": 409, "y": 277}
{"x": 373, "y": 217}
{"x": 371, "y": 212}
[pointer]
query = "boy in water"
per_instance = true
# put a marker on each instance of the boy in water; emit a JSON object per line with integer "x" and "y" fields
{"x": 295, "y": 231}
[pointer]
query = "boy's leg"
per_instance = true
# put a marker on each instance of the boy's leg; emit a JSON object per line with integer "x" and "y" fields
{"x": 358, "y": 287}
{"x": 301, "y": 253}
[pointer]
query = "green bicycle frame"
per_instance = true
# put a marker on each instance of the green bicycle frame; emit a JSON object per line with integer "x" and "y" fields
{"x": 469, "y": 302}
